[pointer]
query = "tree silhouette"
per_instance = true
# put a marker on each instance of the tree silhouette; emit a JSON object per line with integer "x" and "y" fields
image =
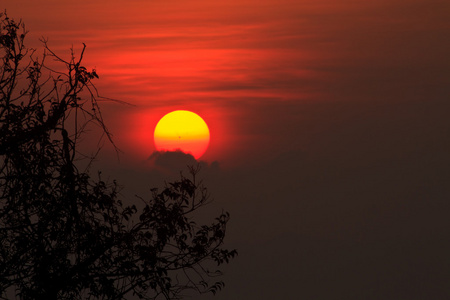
{"x": 65, "y": 235}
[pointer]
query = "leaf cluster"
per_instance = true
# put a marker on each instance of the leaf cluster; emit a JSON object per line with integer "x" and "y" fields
{"x": 67, "y": 235}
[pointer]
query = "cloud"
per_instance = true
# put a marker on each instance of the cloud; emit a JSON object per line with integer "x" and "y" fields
{"x": 174, "y": 162}
{"x": 171, "y": 159}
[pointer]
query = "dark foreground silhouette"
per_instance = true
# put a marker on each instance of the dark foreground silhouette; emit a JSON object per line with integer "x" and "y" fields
{"x": 64, "y": 235}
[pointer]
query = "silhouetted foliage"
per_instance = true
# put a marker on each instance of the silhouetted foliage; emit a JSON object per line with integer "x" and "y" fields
{"x": 64, "y": 235}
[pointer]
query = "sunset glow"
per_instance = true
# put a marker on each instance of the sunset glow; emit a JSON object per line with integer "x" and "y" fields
{"x": 182, "y": 130}
{"x": 321, "y": 126}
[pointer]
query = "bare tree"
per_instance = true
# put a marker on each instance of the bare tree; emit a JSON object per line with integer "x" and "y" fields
{"x": 65, "y": 235}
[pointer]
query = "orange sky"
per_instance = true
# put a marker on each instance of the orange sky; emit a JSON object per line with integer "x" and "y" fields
{"x": 231, "y": 61}
{"x": 328, "y": 120}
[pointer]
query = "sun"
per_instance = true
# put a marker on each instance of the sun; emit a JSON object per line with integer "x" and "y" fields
{"x": 182, "y": 130}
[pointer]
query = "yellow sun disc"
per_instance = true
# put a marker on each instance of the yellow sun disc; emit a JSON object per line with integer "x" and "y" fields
{"x": 182, "y": 130}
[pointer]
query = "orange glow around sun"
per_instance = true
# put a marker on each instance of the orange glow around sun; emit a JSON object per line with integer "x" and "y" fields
{"x": 182, "y": 130}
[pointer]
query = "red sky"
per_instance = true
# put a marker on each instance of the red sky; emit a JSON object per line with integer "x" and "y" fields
{"x": 328, "y": 119}
{"x": 232, "y": 61}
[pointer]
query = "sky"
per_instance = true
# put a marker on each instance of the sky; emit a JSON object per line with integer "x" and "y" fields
{"x": 330, "y": 134}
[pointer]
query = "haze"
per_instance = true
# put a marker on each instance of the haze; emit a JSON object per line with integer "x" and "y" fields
{"x": 330, "y": 133}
